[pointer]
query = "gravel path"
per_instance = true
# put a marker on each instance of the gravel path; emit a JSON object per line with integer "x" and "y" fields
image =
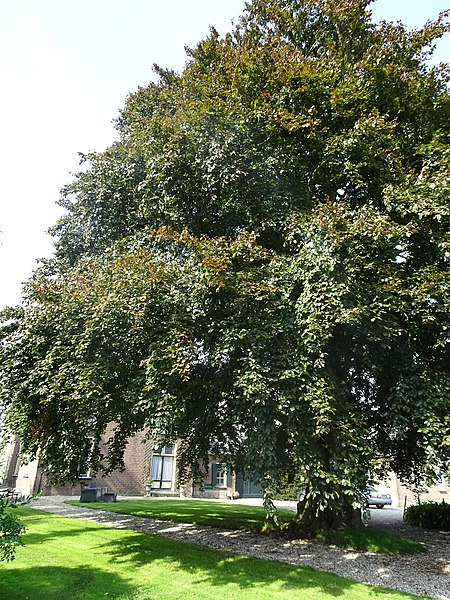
{"x": 421, "y": 574}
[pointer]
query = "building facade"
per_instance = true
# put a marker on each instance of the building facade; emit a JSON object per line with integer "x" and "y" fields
{"x": 152, "y": 470}
{"x": 148, "y": 469}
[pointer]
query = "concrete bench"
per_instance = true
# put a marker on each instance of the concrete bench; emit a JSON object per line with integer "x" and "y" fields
{"x": 95, "y": 494}
{"x": 109, "y": 497}
{"x": 88, "y": 495}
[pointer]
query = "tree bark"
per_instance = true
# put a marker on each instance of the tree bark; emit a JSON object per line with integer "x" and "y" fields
{"x": 312, "y": 518}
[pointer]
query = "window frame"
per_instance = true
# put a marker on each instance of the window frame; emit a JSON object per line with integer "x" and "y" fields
{"x": 220, "y": 475}
{"x": 165, "y": 454}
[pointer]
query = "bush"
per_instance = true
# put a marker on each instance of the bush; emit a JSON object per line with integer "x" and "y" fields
{"x": 288, "y": 486}
{"x": 432, "y": 515}
{"x": 11, "y": 530}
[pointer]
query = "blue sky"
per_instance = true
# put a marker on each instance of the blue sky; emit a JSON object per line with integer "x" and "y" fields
{"x": 66, "y": 68}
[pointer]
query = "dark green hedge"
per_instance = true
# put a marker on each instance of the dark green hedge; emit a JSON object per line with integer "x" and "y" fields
{"x": 432, "y": 515}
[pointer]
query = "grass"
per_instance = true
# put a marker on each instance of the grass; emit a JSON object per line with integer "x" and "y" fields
{"x": 200, "y": 512}
{"x": 67, "y": 558}
{"x": 372, "y": 539}
{"x": 241, "y": 516}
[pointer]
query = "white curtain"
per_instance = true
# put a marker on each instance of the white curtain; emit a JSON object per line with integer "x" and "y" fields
{"x": 162, "y": 469}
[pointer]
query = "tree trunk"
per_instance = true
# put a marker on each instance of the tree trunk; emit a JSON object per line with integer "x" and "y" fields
{"x": 312, "y": 518}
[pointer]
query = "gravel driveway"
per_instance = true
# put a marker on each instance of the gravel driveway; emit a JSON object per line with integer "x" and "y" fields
{"x": 421, "y": 574}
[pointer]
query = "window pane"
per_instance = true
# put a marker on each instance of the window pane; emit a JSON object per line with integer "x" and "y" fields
{"x": 167, "y": 468}
{"x": 221, "y": 475}
{"x": 156, "y": 468}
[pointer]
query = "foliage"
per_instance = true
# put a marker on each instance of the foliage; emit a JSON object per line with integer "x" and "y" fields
{"x": 70, "y": 558}
{"x": 288, "y": 487}
{"x": 11, "y": 530}
{"x": 433, "y": 515}
{"x": 259, "y": 266}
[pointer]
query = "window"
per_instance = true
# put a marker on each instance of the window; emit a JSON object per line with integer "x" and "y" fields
{"x": 162, "y": 467}
{"x": 17, "y": 463}
{"x": 441, "y": 483}
{"x": 220, "y": 475}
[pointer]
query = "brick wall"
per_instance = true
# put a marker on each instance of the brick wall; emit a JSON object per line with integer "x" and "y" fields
{"x": 129, "y": 482}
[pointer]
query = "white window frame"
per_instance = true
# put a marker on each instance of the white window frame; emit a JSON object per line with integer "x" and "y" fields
{"x": 166, "y": 454}
{"x": 441, "y": 482}
{"x": 221, "y": 476}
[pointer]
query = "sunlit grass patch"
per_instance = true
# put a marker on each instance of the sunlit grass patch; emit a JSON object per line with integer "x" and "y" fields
{"x": 231, "y": 515}
{"x": 68, "y": 558}
{"x": 228, "y": 515}
{"x": 371, "y": 539}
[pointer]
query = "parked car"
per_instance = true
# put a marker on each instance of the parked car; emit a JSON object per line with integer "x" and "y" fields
{"x": 376, "y": 498}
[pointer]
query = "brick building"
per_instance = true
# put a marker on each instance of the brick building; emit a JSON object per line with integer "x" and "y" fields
{"x": 144, "y": 462}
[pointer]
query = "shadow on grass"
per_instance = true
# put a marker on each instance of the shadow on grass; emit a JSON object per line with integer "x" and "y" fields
{"x": 34, "y": 518}
{"x": 177, "y": 565}
{"x": 252, "y": 518}
{"x": 375, "y": 540}
{"x": 200, "y": 512}
{"x": 57, "y": 582}
{"x": 218, "y": 569}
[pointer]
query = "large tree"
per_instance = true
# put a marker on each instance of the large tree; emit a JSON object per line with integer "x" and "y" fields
{"x": 259, "y": 265}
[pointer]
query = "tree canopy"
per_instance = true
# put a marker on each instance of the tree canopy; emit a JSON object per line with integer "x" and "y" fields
{"x": 258, "y": 266}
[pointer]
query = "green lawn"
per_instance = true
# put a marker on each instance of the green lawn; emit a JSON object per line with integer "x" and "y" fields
{"x": 228, "y": 515}
{"x": 231, "y": 515}
{"x": 372, "y": 539}
{"x": 68, "y": 558}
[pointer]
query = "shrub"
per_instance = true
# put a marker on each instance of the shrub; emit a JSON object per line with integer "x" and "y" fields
{"x": 288, "y": 486}
{"x": 11, "y": 530}
{"x": 432, "y": 515}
